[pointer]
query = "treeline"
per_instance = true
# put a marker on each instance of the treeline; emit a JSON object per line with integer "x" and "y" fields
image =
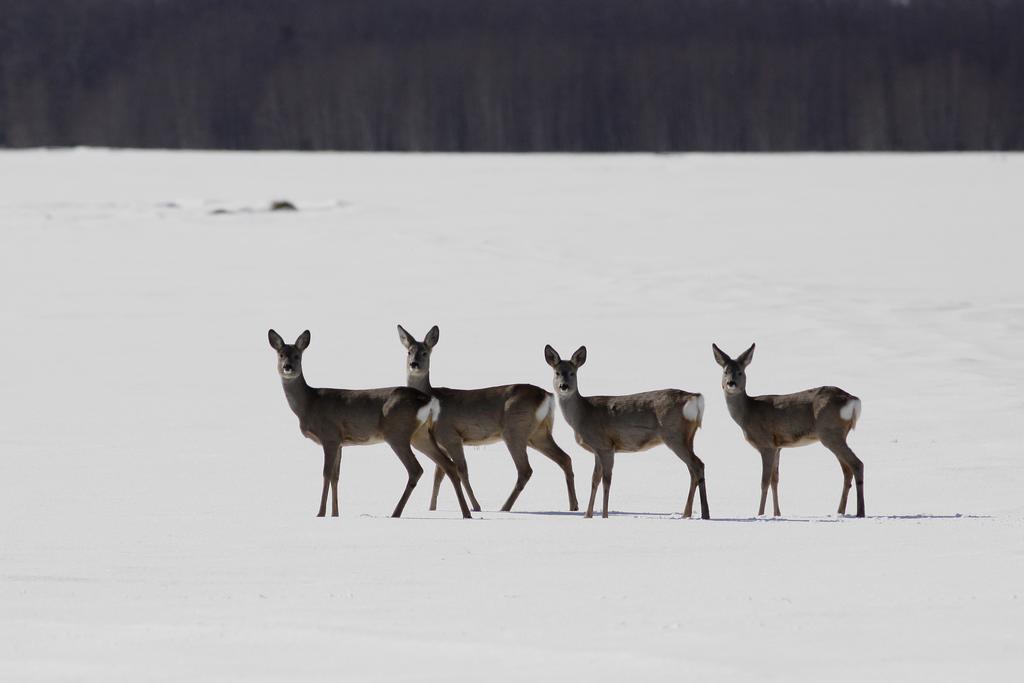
{"x": 514, "y": 75}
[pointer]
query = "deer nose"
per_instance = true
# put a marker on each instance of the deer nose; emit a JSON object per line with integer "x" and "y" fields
{"x": 287, "y": 368}
{"x": 730, "y": 384}
{"x": 414, "y": 365}
{"x": 563, "y": 386}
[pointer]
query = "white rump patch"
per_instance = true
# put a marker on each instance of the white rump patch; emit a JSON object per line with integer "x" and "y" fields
{"x": 851, "y": 411}
{"x": 430, "y": 412}
{"x": 693, "y": 409}
{"x": 545, "y": 408}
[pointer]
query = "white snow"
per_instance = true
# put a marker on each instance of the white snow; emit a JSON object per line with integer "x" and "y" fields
{"x": 157, "y": 500}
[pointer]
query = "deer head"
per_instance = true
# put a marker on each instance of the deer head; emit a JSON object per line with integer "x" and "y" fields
{"x": 734, "y": 379}
{"x": 565, "y": 370}
{"x": 289, "y": 356}
{"x": 418, "y": 360}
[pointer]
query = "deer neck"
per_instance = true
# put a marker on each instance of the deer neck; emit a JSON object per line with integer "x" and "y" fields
{"x": 574, "y": 408}
{"x": 739, "y": 406}
{"x": 420, "y": 383}
{"x": 299, "y": 395}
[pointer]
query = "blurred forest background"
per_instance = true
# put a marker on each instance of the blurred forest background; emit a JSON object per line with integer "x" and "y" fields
{"x": 514, "y": 75}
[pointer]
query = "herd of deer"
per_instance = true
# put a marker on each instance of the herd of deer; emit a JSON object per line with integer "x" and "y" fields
{"x": 438, "y": 422}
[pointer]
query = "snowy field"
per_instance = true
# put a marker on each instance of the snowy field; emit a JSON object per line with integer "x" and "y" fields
{"x": 157, "y": 501}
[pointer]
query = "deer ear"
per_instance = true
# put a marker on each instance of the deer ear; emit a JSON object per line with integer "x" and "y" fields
{"x": 580, "y": 357}
{"x": 431, "y": 339}
{"x": 720, "y": 356}
{"x": 744, "y": 358}
{"x": 405, "y": 337}
{"x": 551, "y": 356}
{"x": 275, "y": 340}
{"x": 303, "y": 341}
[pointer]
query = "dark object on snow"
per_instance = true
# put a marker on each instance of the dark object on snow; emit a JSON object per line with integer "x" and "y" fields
{"x": 282, "y": 205}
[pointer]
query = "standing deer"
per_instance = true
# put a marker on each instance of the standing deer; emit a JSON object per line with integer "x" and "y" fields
{"x": 521, "y": 415}
{"x": 770, "y": 423}
{"x": 636, "y": 422}
{"x": 333, "y": 418}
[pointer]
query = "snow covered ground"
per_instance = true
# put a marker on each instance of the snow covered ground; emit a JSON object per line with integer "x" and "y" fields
{"x": 157, "y": 501}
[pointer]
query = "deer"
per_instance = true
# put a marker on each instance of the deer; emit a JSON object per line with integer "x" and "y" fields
{"x": 333, "y": 418}
{"x": 773, "y": 422}
{"x": 521, "y": 415}
{"x": 605, "y": 425}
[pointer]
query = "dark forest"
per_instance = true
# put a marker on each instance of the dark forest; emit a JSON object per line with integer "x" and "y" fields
{"x": 514, "y": 75}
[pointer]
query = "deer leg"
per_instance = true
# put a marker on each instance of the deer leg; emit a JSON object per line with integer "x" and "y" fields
{"x": 438, "y": 478}
{"x": 775, "y": 484}
{"x": 415, "y": 470}
{"x": 593, "y": 486}
{"x": 523, "y": 469}
{"x": 335, "y": 475}
{"x": 705, "y": 513}
{"x": 837, "y": 444}
{"x": 607, "y": 463}
{"x": 453, "y": 447}
{"x": 695, "y": 466}
{"x": 858, "y": 478}
{"x": 688, "y": 508}
{"x": 767, "y": 459}
{"x": 694, "y": 478}
{"x": 847, "y": 483}
{"x": 330, "y": 452}
{"x": 323, "y": 498}
{"x": 546, "y": 445}
{"x": 426, "y": 444}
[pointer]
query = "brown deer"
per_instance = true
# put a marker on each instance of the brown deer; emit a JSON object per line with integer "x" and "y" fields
{"x": 605, "y": 425}
{"x": 332, "y": 418}
{"x": 771, "y": 423}
{"x": 521, "y": 415}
